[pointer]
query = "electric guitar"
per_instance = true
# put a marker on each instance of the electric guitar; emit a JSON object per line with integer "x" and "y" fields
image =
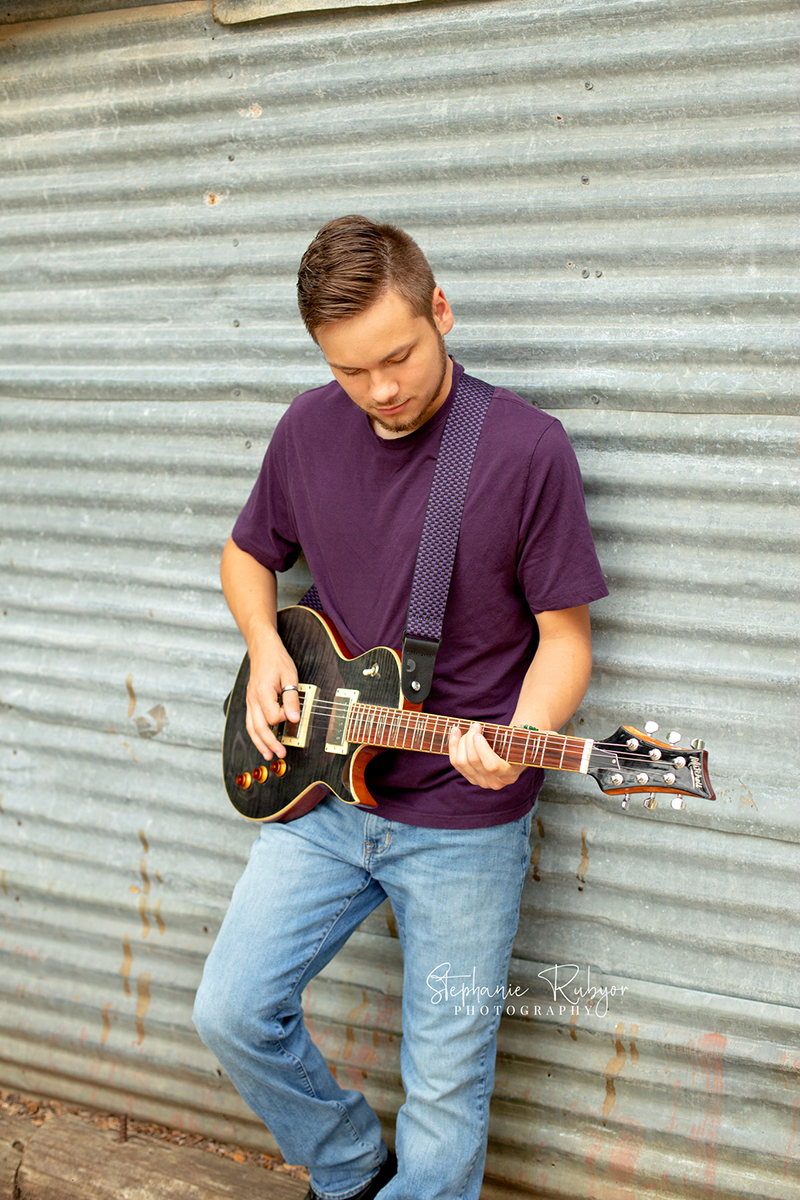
{"x": 353, "y": 708}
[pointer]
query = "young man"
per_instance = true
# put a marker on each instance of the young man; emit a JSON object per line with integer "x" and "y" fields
{"x": 346, "y": 478}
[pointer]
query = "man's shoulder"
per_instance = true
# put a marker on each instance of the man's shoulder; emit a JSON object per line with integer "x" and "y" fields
{"x": 517, "y": 408}
{"x": 517, "y": 423}
{"x": 317, "y": 402}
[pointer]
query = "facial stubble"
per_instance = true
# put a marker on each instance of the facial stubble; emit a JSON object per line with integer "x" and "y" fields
{"x": 421, "y": 417}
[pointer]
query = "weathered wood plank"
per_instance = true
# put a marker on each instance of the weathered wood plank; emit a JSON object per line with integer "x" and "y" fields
{"x": 14, "y": 1137}
{"x": 67, "y": 1159}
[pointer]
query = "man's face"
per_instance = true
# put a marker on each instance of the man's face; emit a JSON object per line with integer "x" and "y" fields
{"x": 392, "y": 363}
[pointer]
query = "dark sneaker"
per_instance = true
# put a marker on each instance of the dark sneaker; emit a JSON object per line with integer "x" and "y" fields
{"x": 387, "y": 1172}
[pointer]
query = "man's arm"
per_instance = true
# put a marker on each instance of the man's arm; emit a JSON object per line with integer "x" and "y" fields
{"x": 553, "y": 687}
{"x": 251, "y": 592}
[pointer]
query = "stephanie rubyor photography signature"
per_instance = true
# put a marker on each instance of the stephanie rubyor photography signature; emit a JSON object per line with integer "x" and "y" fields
{"x": 470, "y": 998}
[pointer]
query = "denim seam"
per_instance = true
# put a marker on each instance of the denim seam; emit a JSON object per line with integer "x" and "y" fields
{"x": 293, "y": 1057}
{"x": 484, "y": 1117}
{"x": 484, "y": 1113}
{"x": 337, "y": 917}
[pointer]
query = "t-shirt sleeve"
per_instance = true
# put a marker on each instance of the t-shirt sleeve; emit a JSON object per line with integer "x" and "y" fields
{"x": 265, "y": 528}
{"x": 557, "y": 562}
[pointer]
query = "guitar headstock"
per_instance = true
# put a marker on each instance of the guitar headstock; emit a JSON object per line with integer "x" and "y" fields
{"x": 632, "y": 761}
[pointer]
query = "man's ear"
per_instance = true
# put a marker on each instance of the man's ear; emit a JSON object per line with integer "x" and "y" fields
{"x": 443, "y": 317}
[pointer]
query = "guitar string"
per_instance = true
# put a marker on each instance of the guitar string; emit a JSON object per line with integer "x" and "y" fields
{"x": 607, "y": 749}
{"x": 374, "y": 712}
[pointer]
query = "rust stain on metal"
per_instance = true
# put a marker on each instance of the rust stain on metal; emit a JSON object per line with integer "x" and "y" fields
{"x": 540, "y": 827}
{"x": 634, "y": 1051}
{"x": 350, "y": 1041}
{"x": 142, "y": 1003}
{"x": 583, "y": 865}
{"x": 144, "y": 841}
{"x": 573, "y": 1020}
{"x": 536, "y": 854}
{"x": 3, "y": 883}
{"x": 106, "y": 1023}
{"x": 746, "y": 799}
{"x": 131, "y": 695}
{"x": 357, "y": 1013}
{"x": 133, "y": 756}
{"x": 127, "y": 960}
{"x": 613, "y": 1068}
{"x": 162, "y": 929}
{"x": 143, "y": 914}
{"x": 391, "y": 922}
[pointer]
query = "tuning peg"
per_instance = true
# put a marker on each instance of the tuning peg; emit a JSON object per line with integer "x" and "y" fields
{"x": 651, "y": 727}
{"x": 697, "y": 743}
{"x": 674, "y": 738}
{"x": 651, "y": 801}
{"x": 678, "y": 802}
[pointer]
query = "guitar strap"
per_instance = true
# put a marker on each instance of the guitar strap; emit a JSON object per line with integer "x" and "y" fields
{"x": 437, "y": 547}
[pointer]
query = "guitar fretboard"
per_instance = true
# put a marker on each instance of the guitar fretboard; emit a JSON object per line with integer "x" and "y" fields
{"x": 402, "y": 729}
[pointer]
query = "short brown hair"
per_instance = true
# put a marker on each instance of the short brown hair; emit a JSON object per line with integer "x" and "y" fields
{"x": 351, "y": 263}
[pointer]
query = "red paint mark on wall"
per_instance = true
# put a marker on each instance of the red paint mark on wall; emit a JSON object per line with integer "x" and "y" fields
{"x": 795, "y": 1104}
{"x": 625, "y": 1153}
{"x": 676, "y": 1087}
{"x": 707, "y": 1057}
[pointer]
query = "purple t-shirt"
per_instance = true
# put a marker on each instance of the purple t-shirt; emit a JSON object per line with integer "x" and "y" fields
{"x": 355, "y": 503}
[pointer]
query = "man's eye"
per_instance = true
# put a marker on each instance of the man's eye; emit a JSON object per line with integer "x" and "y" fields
{"x": 394, "y": 361}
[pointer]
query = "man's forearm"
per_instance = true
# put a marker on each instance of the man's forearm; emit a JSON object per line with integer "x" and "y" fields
{"x": 558, "y": 677}
{"x": 251, "y": 592}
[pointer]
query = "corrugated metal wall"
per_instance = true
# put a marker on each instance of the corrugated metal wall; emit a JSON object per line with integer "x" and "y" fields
{"x": 604, "y": 190}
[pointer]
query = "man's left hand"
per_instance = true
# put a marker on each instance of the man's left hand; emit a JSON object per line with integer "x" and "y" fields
{"x": 473, "y": 757}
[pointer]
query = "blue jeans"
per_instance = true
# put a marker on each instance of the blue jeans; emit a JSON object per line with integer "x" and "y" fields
{"x": 307, "y": 885}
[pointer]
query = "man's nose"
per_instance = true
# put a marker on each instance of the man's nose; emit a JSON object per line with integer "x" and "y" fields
{"x": 383, "y": 388}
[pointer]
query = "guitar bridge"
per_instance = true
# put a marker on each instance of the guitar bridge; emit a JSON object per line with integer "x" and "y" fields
{"x": 297, "y": 735}
{"x": 344, "y": 700}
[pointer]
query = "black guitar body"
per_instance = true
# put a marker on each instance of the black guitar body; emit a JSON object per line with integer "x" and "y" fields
{"x": 310, "y": 770}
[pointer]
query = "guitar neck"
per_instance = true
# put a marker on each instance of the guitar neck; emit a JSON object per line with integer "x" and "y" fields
{"x": 405, "y": 729}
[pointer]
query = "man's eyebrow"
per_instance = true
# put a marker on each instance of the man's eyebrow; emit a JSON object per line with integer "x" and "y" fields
{"x": 392, "y": 354}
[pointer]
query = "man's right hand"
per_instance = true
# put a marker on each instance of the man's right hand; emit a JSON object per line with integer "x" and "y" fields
{"x": 271, "y": 670}
{"x": 252, "y": 594}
